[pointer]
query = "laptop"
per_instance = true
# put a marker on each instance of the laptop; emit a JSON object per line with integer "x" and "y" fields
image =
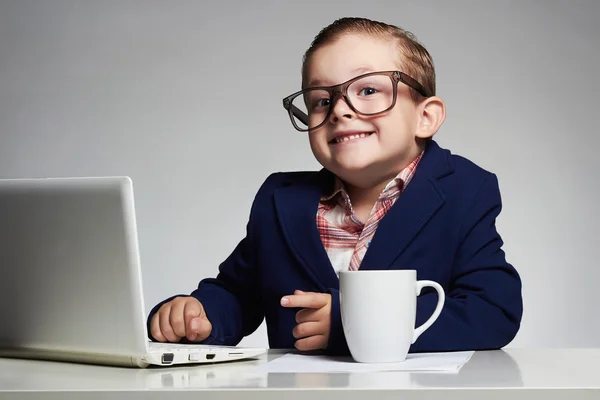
{"x": 71, "y": 282}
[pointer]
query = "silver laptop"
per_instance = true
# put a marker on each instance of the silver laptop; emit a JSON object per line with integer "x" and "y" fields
{"x": 71, "y": 283}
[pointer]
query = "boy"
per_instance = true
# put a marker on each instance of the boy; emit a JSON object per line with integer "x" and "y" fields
{"x": 387, "y": 197}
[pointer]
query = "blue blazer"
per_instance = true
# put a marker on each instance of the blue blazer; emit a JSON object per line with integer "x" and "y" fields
{"x": 443, "y": 226}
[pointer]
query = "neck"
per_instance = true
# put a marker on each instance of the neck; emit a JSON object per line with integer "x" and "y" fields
{"x": 364, "y": 195}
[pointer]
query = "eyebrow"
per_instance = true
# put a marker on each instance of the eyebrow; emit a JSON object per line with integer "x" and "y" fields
{"x": 355, "y": 72}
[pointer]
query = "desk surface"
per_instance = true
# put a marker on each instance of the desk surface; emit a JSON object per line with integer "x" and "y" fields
{"x": 510, "y": 373}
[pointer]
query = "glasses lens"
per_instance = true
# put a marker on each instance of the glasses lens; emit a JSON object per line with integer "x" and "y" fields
{"x": 314, "y": 104}
{"x": 371, "y": 94}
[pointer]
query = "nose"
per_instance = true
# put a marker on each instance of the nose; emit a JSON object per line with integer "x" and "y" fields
{"x": 340, "y": 109}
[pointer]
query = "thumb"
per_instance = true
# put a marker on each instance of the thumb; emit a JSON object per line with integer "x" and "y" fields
{"x": 200, "y": 328}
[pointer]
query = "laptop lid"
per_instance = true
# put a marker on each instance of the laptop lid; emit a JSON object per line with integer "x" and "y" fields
{"x": 71, "y": 278}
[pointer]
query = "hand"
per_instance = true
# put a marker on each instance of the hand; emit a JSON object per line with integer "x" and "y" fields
{"x": 179, "y": 318}
{"x": 314, "y": 320}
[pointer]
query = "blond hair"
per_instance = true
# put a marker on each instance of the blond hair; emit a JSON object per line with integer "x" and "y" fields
{"x": 414, "y": 60}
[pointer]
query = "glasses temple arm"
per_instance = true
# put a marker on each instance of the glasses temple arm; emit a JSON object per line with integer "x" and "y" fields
{"x": 300, "y": 114}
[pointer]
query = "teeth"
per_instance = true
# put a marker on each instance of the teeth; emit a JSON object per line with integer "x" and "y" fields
{"x": 350, "y": 137}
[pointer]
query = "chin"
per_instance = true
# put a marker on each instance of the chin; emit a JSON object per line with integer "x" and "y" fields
{"x": 352, "y": 165}
{"x": 350, "y": 173}
{"x": 355, "y": 164}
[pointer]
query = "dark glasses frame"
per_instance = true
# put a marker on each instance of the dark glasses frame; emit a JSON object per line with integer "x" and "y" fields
{"x": 342, "y": 90}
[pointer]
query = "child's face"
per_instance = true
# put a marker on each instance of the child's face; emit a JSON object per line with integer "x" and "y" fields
{"x": 381, "y": 146}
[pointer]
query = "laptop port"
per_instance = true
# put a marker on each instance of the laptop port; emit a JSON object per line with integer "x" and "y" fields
{"x": 167, "y": 358}
{"x": 210, "y": 356}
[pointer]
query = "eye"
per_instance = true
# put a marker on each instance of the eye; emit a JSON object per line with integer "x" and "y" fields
{"x": 367, "y": 91}
{"x": 323, "y": 103}
{"x": 320, "y": 103}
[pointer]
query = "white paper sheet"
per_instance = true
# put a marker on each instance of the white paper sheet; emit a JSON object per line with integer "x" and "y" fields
{"x": 422, "y": 362}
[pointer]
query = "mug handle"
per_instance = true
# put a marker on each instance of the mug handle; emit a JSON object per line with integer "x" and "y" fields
{"x": 438, "y": 308}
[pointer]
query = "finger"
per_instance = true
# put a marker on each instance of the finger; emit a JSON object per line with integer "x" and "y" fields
{"x": 192, "y": 310}
{"x": 155, "y": 328}
{"x": 306, "y": 300}
{"x": 176, "y": 317}
{"x": 311, "y": 343}
{"x": 165, "y": 325}
{"x": 307, "y": 329}
{"x": 308, "y": 315}
{"x": 299, "y": 292}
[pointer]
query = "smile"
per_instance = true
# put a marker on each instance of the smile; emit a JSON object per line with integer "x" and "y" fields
{"x": 348, "y": 138}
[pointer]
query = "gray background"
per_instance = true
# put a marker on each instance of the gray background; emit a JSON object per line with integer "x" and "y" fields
{"x": 185, "y": 97}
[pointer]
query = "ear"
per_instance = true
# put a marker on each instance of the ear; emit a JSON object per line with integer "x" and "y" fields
{"x": 432, "y": 113}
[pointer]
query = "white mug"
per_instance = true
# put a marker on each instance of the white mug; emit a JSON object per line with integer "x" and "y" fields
{"x": 378, "y": 309}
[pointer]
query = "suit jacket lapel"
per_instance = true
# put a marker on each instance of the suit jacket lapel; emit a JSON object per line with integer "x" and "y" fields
{"x": 413, "y": 209}
{"x": 297, "y": 210}
{"x": 297, "y": 204}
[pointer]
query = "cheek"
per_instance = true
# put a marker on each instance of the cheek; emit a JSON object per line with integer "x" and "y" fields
{"x": 395, "y": 127}
{"x": 317, "y": 142}
{"x": 318, "y": 138}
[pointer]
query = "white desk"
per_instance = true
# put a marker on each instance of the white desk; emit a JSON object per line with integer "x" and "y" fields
{"x": 510, "y": 374}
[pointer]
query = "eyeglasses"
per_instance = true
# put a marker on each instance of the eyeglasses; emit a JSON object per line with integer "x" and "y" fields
{"x": 368, "y": 94}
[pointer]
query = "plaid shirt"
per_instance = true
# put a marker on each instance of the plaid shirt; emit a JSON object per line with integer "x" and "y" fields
{"x": 344, "y": 236}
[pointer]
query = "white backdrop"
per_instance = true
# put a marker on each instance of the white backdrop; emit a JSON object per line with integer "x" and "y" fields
{"x": 185, "y": 97}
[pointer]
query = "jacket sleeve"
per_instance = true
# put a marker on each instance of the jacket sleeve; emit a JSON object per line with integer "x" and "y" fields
{"x": 231, "y": 300}
{"x": 337, "y": 344}
{"x": 483, "y": 307}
